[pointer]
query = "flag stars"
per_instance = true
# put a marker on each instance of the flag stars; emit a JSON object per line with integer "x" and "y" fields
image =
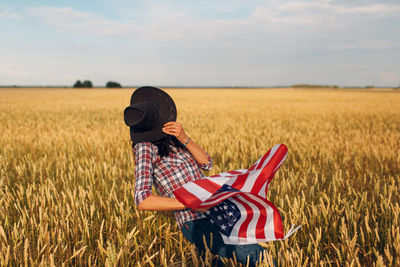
{"x": 230, "y": 213}
{"x": 225, "y": 207}
{"x": 219, "y": 218}
{"x": 223, "y": 227}
{"x": 211, "y": 221}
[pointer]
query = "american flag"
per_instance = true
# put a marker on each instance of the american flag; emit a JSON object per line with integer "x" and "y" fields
{"x": 237, "y": 201}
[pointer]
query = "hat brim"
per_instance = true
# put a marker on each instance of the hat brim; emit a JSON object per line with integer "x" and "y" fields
{"x": 147, "y": 136}
{"x": 166, "y": 108}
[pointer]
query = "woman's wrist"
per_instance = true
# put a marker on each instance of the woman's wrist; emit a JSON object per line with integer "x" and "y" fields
{"x": 183, "y": 139}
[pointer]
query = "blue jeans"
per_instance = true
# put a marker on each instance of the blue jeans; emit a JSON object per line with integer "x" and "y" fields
{"x": 196, "y": 229}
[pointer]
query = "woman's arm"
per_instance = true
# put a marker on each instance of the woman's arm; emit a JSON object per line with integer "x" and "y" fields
{"x": 154, "y": 202}
{"x": 159, "y": 203}
{"x": 176, "y": 129}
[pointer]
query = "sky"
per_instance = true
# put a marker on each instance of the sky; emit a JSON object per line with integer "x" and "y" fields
{"x": 200, "y": 42}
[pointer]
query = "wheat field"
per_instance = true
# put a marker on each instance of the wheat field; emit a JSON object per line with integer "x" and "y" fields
{"x": 67, "y": 175}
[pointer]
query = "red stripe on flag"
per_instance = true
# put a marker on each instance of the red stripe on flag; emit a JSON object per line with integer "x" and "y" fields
{"x": 208, "y": 185}
{"x": 263, "y": 159}
{"x": 244, "y": 226}
{"x": 240, "y": 180}
{"x": 268, "y": 171}
{"x": 262, "y": 219}
{"x": 278, "y": 226}
{"x": 187, "y": 198}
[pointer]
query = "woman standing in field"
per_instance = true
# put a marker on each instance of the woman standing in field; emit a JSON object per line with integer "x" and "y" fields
{"x": 167, "y": 158}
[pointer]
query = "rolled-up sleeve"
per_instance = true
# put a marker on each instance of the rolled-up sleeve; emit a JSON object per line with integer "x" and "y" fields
{"x": 207, "y": 166}
{"x": 144, "y": 158}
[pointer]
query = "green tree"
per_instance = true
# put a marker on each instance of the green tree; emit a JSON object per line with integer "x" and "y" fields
{"x": 113, "y": 85}
{"x": 87, "y": 84}
{"x": 78, "y": 84}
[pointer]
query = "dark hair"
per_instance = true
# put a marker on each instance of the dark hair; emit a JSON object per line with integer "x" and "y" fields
{"x": 164, "y": 145}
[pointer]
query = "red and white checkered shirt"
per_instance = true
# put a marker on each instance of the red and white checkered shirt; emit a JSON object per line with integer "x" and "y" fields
{"x": 167, "y": 174}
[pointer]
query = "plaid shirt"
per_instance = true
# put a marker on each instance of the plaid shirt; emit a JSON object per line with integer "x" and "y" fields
{"x": 167, "y": 174}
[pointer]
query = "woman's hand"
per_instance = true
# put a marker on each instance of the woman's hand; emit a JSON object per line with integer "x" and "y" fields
{"x": 176, "y": 129}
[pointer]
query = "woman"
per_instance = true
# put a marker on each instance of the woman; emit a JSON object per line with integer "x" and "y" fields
{"x": 167, "y": 158}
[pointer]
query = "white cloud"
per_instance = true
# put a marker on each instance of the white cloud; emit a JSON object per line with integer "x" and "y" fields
{"x": 164, "y": 23}
{"x": 58, "y": 13}
{"x": 274, "y": 15}
{"x": 378, "y": 9}
{"x": 331, "y": 7}
{"x": 68, "y": 19}
{"x": 9, "y": 14}
{"x": 315, "y": 12}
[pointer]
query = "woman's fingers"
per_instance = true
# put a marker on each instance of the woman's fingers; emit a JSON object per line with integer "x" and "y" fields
{"x": 174, "y": 128}
{"x": 170, "y": 130}
{"x": 171, "y": 123}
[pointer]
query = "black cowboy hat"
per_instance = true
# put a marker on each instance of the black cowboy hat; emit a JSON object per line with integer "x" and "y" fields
{"x": 149, "y": 110}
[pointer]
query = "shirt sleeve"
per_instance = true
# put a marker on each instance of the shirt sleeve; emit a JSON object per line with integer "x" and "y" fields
{"x": 144, "y": 157}
{"x": 207, "y": 166}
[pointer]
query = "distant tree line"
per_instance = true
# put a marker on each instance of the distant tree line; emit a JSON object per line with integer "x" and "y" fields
{"x": 313, "y": 86}
{"x": 331, "y": 86}
{"x": 89, "y": 84}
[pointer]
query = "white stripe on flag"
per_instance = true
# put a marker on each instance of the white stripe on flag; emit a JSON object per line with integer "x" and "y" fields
{"x": 216, "y": 198}
{"x": 263, "y": 191}
{"x": 198, "y": 191}
{"x": 228, "y": 174}
{"x": 218, "y": 180}
{"x": 248, "y": 185}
